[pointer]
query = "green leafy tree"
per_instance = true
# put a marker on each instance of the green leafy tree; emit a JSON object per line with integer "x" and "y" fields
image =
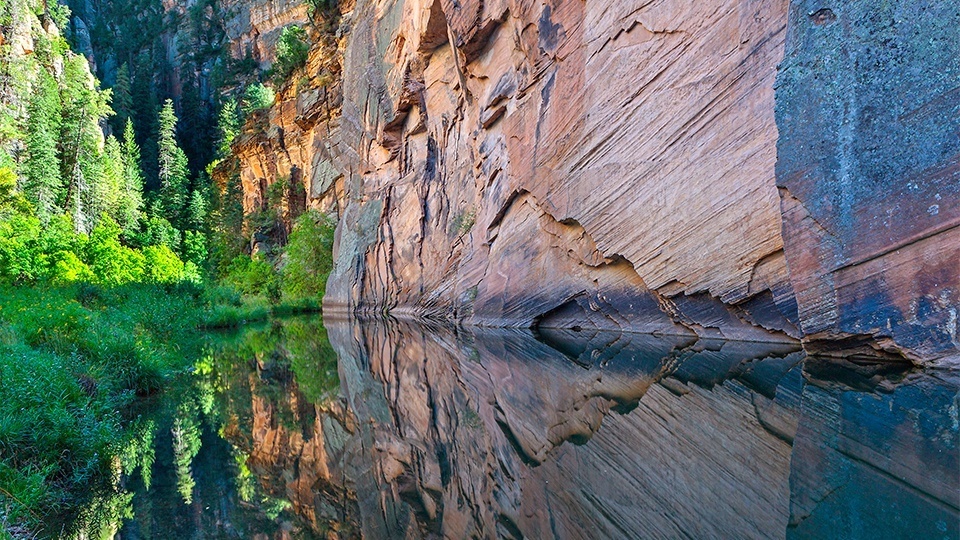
{"x": 18, "y": 238}
{"x": 68, "y": 268}
{"x": 11, "y": 199}
{"x": 111, "y": 262}
{"x": 309, "y": 256}
{"x": 162, "y": 264}
{"x": 41, "y": 168}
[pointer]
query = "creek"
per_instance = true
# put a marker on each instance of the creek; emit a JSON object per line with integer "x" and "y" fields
{"x": 396, "y": 430}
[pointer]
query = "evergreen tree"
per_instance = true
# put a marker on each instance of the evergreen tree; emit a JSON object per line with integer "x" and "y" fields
{"x": 122, "y": 99}
{"x": 228, "y": 126}
{"x": 42, "y": 182}
{"x": 257, "y": 97}
{"x": 107, "y": 191}
{"x": 197, "y": 209}
{"x": 293, "y": 48}
{"x": 80, "y": 139}
{"x": 173, "y": 168}
{"x": 145, "y": 116}
{"x": 130, "y": 209}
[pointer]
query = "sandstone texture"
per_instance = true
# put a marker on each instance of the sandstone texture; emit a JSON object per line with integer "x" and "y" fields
{"x": 564, "y": 164}
{"x": 766, "y": 171}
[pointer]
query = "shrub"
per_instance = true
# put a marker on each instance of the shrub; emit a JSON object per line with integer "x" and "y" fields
{"x": 111, "y": 262}
{"x": 257, "y": 97}
{"x": 254, "y": 276}
{"x": 292, "y": 50}
{"x": 162, "y": 265}
{"x": 309, "y": 257}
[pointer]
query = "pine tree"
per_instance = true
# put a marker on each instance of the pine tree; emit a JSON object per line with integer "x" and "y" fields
{"x": 197, "y": 209}
{"x": 42, "y": 182}
{"x": 108, "y": 189}
{"x": 130, "y": 209}
{"x": 81, "y": 138}
{"x": 173, "y": 168}
{"x": 122, "y": 99}
{"x": 228, "y": 126}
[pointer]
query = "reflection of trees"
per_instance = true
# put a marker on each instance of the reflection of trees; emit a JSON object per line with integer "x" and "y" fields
{"x": 111, "y": 504}
{"x": 186, "y": 445}
{"x": 313, "y": 360}
{"x": 267, "y": 383}
{"x": 139, "y": 454}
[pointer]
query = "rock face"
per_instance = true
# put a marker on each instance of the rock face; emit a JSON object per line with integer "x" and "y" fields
{"x": 253, "y": 26}
{"x": 868, "y": 173}
{"x": 616, "y": 164}
{"x": 566, "y": 164}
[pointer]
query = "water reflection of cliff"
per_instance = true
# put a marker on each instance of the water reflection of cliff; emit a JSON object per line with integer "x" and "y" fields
{"x": 413, "y": 432}
{"x": 498, "y": 434}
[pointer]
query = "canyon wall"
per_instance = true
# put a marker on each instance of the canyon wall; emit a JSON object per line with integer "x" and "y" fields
{"x": 767, "y": 171}
{"x": 868, "y": 107}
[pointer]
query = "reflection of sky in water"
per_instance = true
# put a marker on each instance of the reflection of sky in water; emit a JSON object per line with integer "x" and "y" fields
{"x": 421, "y": 432}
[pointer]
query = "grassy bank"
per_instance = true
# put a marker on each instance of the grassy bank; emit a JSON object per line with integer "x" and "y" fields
{"x": 76, "y": 365}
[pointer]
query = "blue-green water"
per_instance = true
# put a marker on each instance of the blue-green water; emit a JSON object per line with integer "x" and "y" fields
{"x": 293, "y": 430}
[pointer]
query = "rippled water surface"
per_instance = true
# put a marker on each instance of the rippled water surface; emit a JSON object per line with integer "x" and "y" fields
{"x": 400, "y": 431}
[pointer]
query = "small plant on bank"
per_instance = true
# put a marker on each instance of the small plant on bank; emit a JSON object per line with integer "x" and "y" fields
{"x": 464, "y": 221}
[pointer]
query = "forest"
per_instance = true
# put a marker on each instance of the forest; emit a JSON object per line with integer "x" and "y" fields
{"x": 117, "y": 246}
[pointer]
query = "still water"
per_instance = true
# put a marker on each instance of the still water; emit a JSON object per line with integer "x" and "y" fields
{"x": 392, "y": 430}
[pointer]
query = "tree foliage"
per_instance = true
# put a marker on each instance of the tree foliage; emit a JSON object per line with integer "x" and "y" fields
{"x": 174, "y": 169}
{"x": 257, "y": 97}
{"x": 293, "y": 47}
{"x": 41, "y": 168}
{"x": 309, "y": 257}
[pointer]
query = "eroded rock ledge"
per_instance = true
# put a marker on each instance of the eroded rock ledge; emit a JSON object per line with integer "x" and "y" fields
{"x": 619, "y": 164}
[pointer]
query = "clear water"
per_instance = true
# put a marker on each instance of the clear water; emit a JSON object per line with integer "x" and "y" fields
{"x": 402, "y": 431}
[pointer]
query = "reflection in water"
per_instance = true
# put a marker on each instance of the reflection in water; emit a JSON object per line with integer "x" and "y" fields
{"x": 227, "y": 443}
{"x": 433, "y": 432}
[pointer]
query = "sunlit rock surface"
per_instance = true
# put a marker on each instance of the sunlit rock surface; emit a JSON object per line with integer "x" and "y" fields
{"x": 565, "y": 164}
{"x": 620, "y": 165}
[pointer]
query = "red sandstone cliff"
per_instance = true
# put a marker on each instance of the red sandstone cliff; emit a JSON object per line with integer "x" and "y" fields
{"x": 615, "y": 164}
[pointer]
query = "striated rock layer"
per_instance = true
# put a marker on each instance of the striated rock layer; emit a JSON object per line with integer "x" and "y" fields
{"x": 493, "y": 433}
{"x": 616, "y": 164}
{"x": 607, "y": 164}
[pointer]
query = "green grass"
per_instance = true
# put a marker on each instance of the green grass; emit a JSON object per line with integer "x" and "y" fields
{"x": 76, "y": 364}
